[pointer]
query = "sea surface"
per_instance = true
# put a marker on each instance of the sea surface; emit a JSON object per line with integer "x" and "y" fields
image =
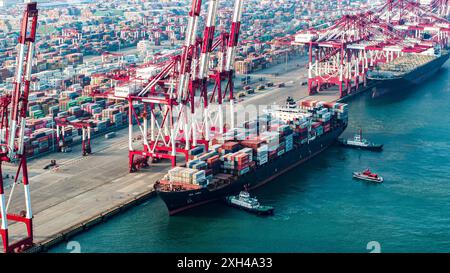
{"x": 318, "y": 206}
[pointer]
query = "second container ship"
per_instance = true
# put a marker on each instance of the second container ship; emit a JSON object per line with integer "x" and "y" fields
{"x": 406, "y": 71}
{"x": 256, "y": 153}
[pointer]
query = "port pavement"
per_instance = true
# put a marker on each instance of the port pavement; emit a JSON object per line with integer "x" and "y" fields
{"x": 83, "y": 191}
{"x": 293, "y": 74}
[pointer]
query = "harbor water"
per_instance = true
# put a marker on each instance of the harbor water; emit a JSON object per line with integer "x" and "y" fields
{"x": 318, "y": 206}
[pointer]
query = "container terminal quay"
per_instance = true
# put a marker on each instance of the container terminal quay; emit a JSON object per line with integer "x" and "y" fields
{"x": 128, "y": 132}
{"x": 83, "y": 191}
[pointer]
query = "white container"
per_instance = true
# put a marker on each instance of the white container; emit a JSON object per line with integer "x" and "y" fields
{"x": 126, "y": 90}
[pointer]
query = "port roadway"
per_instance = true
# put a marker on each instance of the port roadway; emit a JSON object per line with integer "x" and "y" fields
{"x": 83, "y": 191}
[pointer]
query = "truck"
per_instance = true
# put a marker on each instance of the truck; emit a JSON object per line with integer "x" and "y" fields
{"x": 241, "y": 94}
{"x": 110, "y": 135}
{"x": 261, "y": 87}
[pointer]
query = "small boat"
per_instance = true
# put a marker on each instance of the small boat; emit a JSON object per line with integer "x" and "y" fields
{"x": 360, "y": 143}
{"x": 367, "y": 175}
{"x": 250, "y": 204}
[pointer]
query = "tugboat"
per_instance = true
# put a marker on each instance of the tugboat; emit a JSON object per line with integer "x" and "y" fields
{"x": 367, "y": 175}
{"x": 360, "y": 143}
{"x": 250, "y": 204}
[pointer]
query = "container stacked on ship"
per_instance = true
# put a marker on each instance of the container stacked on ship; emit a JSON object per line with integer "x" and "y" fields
{"x": 253, "y": 154}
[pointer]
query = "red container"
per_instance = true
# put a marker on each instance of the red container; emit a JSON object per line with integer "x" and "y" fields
{"x": 329, "y": 105}
{"x": 316, "y": 124}
{"x": 230, "y": 145}
{"x": 308, "y": 103}
{"x": 301, "y": 130}
{"x": 252, "y": 143}
{"x": 43, "y": 139}
{"x": 213, "y": 160}
{"x": 252, "y": 164}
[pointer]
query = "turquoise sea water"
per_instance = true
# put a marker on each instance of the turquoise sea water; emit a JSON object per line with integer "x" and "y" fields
{"x": 318, "y": 206}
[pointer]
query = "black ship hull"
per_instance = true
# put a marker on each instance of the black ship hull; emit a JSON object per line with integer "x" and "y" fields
{"x": 183, "y": 200}
{"x": 405, "y": 82}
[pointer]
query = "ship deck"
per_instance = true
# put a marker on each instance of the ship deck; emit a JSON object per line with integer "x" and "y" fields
{"x": 403, "y": 64}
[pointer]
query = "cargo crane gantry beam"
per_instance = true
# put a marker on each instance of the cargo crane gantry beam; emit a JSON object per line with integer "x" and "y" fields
{"x": 12, "y": 128}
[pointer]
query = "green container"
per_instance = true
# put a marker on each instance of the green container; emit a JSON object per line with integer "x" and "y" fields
{"x": 36, "y": 114}
{"x": 82, "y": 100}
{"x": 72, "y": 103}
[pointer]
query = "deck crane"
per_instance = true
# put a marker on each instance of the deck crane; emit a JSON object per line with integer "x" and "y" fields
{"x": 13, "y": 107}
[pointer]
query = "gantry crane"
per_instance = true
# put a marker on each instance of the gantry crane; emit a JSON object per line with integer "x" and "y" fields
{"x": 12, "y": 129}
{"x": 178, "y": 112}
{"x": 341, "y": 54}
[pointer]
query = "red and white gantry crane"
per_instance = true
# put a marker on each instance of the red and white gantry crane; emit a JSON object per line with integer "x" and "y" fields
{"x": 177, "y": 114}
{"x": 12, "y": 130}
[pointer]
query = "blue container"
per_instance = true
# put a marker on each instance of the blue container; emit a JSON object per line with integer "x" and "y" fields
{"x": 197, "y": 150}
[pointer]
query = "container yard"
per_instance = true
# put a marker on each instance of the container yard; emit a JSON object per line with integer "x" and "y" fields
{"x": 116, "y": 189}
{"x": 158, "y": 88}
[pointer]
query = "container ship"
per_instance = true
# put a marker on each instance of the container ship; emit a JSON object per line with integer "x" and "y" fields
{"x": 249, "y": 156}
{"x": 406, "y": 70}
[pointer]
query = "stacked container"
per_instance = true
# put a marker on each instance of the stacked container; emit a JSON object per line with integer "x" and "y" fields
{"x": 236, "y": 163}
{"x": 187, "y": 176}
{"x": 289, "y": 142}
{"x": 259, "y": 148}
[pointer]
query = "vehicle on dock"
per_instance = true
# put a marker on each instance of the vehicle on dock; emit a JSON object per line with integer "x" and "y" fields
{"x": 281, "y": 84}
{"x": 241, "y": 94}
{"x": 270, "y": 84}
{"x": 360, "y": 143}
{"x": 51, "y": 164}
{"x": 261, "y": 87}
{"x": 110, "y": 135}
{"x": 247, "y": 203}
{"x": 66, "y": 149}
{"x": 367, "y": 175}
